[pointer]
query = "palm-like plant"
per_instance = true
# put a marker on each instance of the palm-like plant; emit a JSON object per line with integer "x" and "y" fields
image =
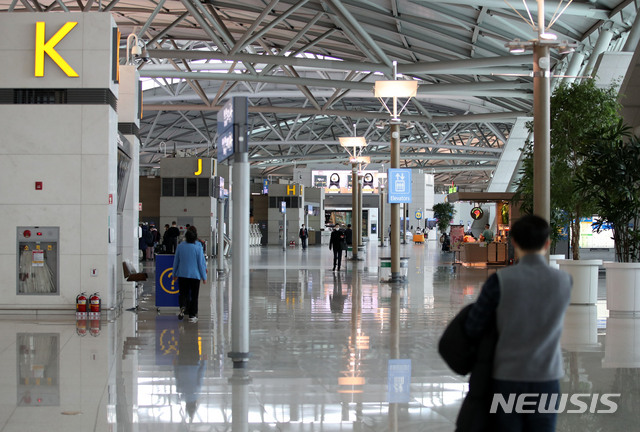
{"x": 443, "y": 212}
{"x": 611, "y": 180}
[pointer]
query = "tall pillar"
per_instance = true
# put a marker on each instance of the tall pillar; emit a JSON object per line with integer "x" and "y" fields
{"x": 240, "y": 268}
{"x": 354, "y": 210}
{"x": 220, "y": 255}
{"x": 395, "y": 208}
{"x": 541, "y": 133}
{"x": 601, "y": 46}
{"x": 575, "y": 64}
{"x": 360, "y": 224}
{"x": 381, "y": 227}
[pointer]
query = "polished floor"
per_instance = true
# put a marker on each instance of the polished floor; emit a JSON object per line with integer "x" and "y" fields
{"x": 331, "y": 351}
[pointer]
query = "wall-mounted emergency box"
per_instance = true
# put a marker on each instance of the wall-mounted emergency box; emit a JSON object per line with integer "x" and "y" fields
{"x": 38, "y": 263}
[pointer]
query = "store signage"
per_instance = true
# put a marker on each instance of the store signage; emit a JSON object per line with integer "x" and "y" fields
{"x": 419, "y": 215}
{"x": 48, "y": 47}
{"x": 399, "y": 185}
{"x": 232, "y": 128}
{"x": 477, "y": 213}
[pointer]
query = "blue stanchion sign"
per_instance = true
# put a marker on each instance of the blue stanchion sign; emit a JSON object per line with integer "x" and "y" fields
{"x": 399, "y": 185}
{"x": 399, "y": 381}
{"x": 166, "y": 289}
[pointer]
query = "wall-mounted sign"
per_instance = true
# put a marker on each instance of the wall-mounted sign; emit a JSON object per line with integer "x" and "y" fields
{"x": 49, "y": 47}
{"x": 477, "y": 213}
{"x": 198, "y": 171}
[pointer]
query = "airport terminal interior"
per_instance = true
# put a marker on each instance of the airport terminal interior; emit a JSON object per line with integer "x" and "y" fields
{"x": 249, "y": 120}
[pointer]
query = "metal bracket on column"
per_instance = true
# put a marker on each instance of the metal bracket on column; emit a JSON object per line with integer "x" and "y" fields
{"x": 240, "y": 360}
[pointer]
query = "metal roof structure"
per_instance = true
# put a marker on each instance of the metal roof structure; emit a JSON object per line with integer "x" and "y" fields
{"x": 308, "y": 69}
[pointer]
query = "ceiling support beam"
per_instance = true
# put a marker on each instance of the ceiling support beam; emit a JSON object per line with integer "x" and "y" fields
{"x": 466, "y": 118}
{"x": 515, "y": 89}
{"x": 379, "y": 53}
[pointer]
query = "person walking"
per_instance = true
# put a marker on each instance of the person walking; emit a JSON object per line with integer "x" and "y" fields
{"x": 166, "y": 240}
{"x": 348, "y": 236}
{"x": 148, "y": 239}
{"x": 303, "y": 234}
{"x": 189, "y": 269}
{"x": 527, "y": 302}
{"x": 337, "y": 243}
{"x": 173, "y": 233}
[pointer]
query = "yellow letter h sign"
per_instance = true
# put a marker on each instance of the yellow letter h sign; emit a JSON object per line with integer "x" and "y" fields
{"x": 48, "y": 47}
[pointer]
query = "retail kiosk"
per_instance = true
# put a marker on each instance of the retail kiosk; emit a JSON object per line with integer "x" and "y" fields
{"x": 475, "y": 252}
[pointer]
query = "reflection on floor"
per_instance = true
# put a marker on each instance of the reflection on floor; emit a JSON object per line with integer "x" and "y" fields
{"x": 330, "y": 351}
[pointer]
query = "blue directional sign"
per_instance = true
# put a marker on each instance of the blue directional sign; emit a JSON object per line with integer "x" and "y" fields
{"x": 399, "y": 380}
{"x": 399, "y": 185}
{"x": 232, "y": 128}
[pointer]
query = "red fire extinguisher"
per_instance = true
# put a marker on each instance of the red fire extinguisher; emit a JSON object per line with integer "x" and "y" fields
{"x": 94, "y": 303}
{"x": 81, "y": 303}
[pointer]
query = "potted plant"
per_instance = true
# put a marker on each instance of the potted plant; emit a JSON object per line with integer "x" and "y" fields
{"x": 443, "y": 212}
{"x": 611, "y": 179}
{"x": 577, "y": 112}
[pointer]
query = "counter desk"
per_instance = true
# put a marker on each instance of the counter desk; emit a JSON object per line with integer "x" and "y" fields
{"x": 480, "y": 253}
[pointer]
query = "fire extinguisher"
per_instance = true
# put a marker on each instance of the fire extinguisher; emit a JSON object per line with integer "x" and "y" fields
{"x": 81, "y": 303}
{"x": 94, "y": 303}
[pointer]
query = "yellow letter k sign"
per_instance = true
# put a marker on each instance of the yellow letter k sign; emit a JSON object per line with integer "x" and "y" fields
{"x": 48, "y": 47}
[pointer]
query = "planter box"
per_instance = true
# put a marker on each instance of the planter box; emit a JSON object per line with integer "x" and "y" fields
{"x": 585, "y": 279}
{"x": 553, "y": 260}
{"x": 623, "y": 287}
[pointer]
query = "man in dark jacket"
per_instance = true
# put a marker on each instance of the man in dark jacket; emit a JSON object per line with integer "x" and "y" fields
{"x": 337, "y": 243}
{"x": 173, "y": 233}
{"x": 303, "y": 234}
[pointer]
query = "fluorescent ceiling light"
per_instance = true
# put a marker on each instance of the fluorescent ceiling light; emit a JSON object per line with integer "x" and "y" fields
{"x": 399, "y": 89}
{"x": 353, "y": 141}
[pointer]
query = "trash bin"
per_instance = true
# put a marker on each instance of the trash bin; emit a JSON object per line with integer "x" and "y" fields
{"x": 384, "y": 271}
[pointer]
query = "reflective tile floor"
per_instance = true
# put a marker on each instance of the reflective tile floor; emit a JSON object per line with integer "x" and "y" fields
{"x": 330, "y": 352}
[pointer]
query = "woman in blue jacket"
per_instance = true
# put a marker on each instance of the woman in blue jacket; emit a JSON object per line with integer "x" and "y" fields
{"x": 189, "y": 268}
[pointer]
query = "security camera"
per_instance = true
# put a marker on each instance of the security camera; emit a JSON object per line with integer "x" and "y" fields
{"x": 144, "y": 55}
